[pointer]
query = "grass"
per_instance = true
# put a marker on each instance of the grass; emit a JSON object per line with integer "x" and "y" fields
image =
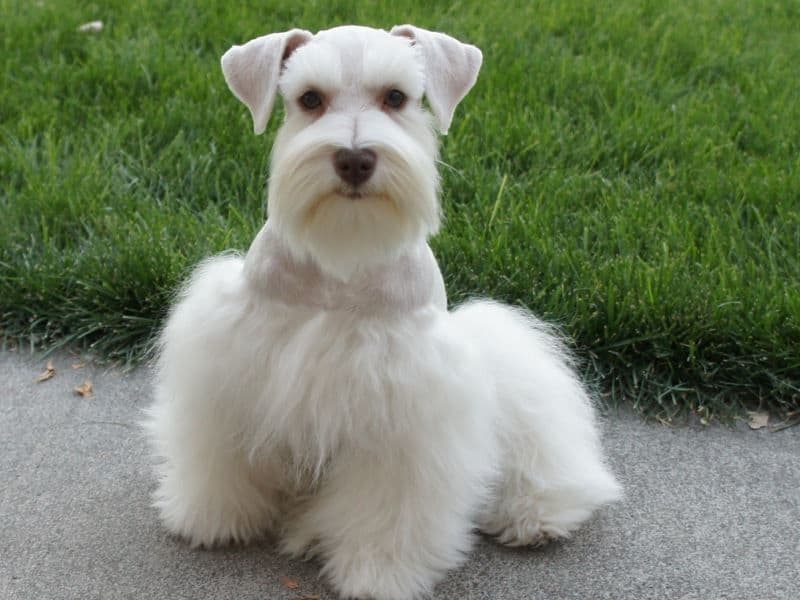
{"x": 627, "y": 169}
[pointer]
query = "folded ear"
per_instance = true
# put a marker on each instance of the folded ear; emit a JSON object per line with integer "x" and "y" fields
{"x": 451, "y": 69}
{"x": 252, "y": 71}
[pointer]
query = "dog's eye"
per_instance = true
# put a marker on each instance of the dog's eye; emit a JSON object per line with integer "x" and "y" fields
{"x": 394, "y": 99}
{"x": 311, "y": 100}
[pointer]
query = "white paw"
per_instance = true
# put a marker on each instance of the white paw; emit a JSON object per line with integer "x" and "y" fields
{"x": 530, "y": 521}
{"x": 215, "y": 521}
{"x": 524, "y": 532}
{"x": 298, "y": 542}
{"x": 379, "y": 578}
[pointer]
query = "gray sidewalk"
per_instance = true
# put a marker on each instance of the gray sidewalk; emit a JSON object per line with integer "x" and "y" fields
{"x": 709, "y": 513}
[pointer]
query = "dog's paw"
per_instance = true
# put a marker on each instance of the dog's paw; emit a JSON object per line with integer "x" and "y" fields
{"x": 202, "y": 529}
{"x": 210, "y": 521}
{"x": 525, "y": 532}
{"x": 298, "y": 543}
{"x": 215, "y": 533}
{"x": 376, "y": 578}
{"x": 532, "y": 521}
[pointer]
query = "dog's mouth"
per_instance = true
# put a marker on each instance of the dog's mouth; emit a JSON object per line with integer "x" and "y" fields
{"x": 368, "y": 195}
{"x": 352, "y": 193}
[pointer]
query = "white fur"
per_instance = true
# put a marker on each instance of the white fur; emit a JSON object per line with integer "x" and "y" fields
{"x": 318, "y": 388}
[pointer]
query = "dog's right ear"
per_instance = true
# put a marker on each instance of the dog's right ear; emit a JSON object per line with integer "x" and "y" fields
{"x": 252, "y": 71}
{"x": 451, "y": 68}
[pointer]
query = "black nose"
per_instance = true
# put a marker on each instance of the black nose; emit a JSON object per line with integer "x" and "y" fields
{"x": 355, "y": 166}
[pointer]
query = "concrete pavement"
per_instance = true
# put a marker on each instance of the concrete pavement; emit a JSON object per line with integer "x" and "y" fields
{"x": 710, "y": 513}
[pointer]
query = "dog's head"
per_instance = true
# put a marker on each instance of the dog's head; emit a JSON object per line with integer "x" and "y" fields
{"x": 353, "y": 175}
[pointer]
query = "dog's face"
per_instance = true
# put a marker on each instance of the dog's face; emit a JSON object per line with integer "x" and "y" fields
{"x": 353, "y": 175}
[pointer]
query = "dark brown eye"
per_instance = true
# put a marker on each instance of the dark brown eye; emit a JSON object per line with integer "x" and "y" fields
{"x": 394, "y": 99}
{"x": 311, "y": 100}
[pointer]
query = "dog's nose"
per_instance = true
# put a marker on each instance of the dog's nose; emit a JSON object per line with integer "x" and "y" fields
{"x": 355, "y": 166}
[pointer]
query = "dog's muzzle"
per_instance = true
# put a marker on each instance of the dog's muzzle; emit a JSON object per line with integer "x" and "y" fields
{"x": 354, "y": 166}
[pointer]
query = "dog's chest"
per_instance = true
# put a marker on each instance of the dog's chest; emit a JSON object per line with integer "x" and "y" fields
{"x": 334, "y": 381}
{"x": 336, "y": 363}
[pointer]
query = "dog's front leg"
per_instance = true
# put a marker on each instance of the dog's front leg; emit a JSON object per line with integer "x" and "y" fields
{"x": 388, "y": 525}
{"x": 208, "y": 493}
{"x": 209, "y": 490}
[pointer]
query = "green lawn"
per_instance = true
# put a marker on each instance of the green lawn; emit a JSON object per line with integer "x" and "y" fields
{"x": 627, "y": 169}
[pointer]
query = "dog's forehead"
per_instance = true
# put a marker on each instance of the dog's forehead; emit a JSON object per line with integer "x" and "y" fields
{"x": 357, "y": 37}
{"x": 354, "y": 56}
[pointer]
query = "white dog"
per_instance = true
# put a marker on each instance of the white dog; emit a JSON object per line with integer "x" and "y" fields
{"x": 318, "y": 388}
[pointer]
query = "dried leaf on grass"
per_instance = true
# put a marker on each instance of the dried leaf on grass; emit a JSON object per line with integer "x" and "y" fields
{"x": 757, "y": 420}
{"x": 78, "y": 365}
{"x": 290, "y": 583}
{"x": 84, "y": 389}
{"x": 48, "y": 373}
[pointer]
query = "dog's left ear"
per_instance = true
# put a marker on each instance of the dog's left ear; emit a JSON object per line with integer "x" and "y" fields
{"x": 252, "y": 71}
{"x": 451, "y": 69}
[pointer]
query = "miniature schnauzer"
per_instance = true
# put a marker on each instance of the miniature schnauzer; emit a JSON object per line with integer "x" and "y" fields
{"x": 318, "y": 388}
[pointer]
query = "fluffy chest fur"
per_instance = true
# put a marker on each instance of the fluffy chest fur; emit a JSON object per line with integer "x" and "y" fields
{"x": 321, "y": 367}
